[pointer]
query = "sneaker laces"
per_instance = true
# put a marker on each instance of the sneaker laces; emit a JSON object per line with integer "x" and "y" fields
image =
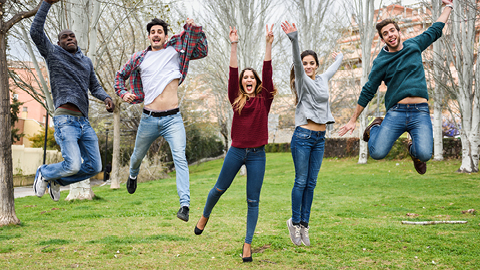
{"x": 297, "y": 230}
{"x": 305, "y": 231}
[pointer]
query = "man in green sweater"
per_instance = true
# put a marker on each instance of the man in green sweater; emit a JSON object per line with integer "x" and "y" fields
{"x": 399, "y": 65}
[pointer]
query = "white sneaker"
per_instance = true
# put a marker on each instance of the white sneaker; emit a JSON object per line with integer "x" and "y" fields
{"x": 39, "y": 185}
{"x": 294, "y": 233}
{"x": 304, "y": 235}
{"x": 54, "y": 191}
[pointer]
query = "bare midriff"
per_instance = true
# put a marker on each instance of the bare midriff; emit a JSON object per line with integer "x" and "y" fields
{"x": 314, "y": 126}
{"x": 167, "y": 100}
{"x": 70, "y": 106}
{"x": 413, "y": 100}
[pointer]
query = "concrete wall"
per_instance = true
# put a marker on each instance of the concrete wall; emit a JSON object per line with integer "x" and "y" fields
{"x": 26, "y": 160}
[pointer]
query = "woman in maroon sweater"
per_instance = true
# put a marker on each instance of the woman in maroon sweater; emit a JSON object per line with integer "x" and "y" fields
{"x": 251, "y": 100}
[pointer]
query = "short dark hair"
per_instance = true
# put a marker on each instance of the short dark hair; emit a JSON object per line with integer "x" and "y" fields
{"x": 383, "y": 23}
{"x": 156, "y": 21}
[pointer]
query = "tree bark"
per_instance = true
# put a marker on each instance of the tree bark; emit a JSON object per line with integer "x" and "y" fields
{"x": 438, "y": 93}
{"x": 7, "y": 201}
{"x": 7, "y": 207}
{"x": 114, "y": 177}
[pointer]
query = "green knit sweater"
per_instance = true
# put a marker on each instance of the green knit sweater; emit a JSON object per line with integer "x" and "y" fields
{"x": 401, "y": 71}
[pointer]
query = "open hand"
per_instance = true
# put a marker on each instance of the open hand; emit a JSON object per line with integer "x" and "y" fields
{"x": 350, "y": 126}
{"x": 269, "y": 36}
{"x": 334, "y": 54}
{"x": 233, "y": 35}
{"x": 287, "y": 28}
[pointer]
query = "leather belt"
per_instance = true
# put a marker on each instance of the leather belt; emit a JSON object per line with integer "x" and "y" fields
{"x": 160, "y": 114}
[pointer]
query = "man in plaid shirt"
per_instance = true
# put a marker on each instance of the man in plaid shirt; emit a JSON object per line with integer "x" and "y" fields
{"x": 155, "y": 74}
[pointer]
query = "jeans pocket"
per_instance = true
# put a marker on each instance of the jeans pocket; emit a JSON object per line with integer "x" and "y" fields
{"x": 302, "y": 135}
{"x": 423, "y": 109}
{"x": 61, "y": 120}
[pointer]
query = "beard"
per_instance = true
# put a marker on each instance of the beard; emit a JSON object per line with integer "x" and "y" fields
{"x": 394, "y": 48}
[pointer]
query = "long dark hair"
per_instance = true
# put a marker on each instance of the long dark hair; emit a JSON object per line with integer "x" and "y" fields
{"x": 292, "y": 71}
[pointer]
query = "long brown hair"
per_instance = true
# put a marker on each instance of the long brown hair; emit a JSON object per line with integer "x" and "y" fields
{"x": 242, "y": 95}
{"x": 292, "y": 72}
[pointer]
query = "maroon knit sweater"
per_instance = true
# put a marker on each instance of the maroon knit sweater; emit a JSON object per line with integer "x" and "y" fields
{"x": 250, "y": 128}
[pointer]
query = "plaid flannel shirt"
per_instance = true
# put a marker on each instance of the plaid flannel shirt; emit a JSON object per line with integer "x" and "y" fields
{"x": 191, "y": 44}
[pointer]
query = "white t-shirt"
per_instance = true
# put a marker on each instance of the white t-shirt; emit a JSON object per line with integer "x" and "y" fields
{"x": 157, "y": 70}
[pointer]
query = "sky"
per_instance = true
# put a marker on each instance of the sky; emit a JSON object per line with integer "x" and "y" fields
{"x": 16, "y": 46}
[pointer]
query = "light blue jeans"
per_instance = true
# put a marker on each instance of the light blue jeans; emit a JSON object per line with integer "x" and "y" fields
{"x": 412, "y": 118}
{"x": 78, "y": 142}
{"x": 171, "y": 128}
{"x": 307, "y": 148}
{"x": 254, "y": 160}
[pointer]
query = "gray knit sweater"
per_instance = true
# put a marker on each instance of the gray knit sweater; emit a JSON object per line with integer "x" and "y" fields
{"x": 312, "y": 94}
{"x": 71, "y": 75}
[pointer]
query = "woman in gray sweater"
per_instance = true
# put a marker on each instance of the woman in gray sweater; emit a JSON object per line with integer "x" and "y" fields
{"x": 311, "y": 116}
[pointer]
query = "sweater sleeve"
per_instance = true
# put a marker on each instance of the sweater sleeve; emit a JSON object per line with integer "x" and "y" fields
{"x": 370, "y": 88}
{"x": 332, "y": 69}
{"x": 95, "y": 88}
{"x": 267, "y": 75}
{"x": 297, "y": 60}
{"x": 433, "y": 33}
{"x": 233, "y": 84}
{"x": 37, "y": 33}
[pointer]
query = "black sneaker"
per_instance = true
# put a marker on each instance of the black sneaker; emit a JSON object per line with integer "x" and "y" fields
{"x": 183, "y": 213}
{"x": 131, "y": 185}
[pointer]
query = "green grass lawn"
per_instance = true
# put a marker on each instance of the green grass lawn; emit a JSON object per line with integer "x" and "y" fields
{"x": 355, "y": 222}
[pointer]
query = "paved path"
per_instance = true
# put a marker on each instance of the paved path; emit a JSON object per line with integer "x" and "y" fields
{"x": 28, "y": 190}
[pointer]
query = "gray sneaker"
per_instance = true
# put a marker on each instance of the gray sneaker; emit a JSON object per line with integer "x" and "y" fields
{"x": 294, "y": 233}
{"x": 39, "y": 184}
{"x": 304, "y": 235}
{"x": 54, "y": 190}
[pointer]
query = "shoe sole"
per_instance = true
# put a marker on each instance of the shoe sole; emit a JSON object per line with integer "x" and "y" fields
{"x": 50, "y": 191}
{"x": 35, "y": 183}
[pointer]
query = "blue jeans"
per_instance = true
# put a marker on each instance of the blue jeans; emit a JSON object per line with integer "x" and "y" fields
{"x": 254, "y": 160}
{"x": 413, "y": 118}
{"x": 78, "y": 142}
{"x": 171, "y": 128}
{"x": 307, "y": 151}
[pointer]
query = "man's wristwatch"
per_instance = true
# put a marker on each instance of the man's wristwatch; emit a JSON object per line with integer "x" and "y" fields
{"x": 450, "y": 6}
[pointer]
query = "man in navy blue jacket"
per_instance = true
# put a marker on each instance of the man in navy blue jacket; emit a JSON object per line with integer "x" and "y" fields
{"x": 71, "y": 76}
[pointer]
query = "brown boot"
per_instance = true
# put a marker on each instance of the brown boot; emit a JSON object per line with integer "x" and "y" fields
{"x": 366, "y": 133}
{"x": 419, "y": 165}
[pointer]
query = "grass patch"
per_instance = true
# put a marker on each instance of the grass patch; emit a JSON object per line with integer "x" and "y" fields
{"x": 355, "y": 222}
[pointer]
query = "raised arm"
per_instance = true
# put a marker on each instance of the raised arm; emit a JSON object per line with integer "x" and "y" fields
{"x": 269, "y": 41}
{"x": 37, "y": 32}
{"x": 446, "y": 11}
{"x": 291, "y": 31}
{"x": 233, "y": 48}
{"x": 332, "y": 69}
{"x": 200, "y": 49}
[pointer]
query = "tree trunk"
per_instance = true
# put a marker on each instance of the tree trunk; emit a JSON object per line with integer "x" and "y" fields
{"x": 363, "y": 145}
{"x": 438, "y": 93}
{"x": 114, "y": 176}
{"x": 365, "y": 21}
{"x": 7, "y": 202}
